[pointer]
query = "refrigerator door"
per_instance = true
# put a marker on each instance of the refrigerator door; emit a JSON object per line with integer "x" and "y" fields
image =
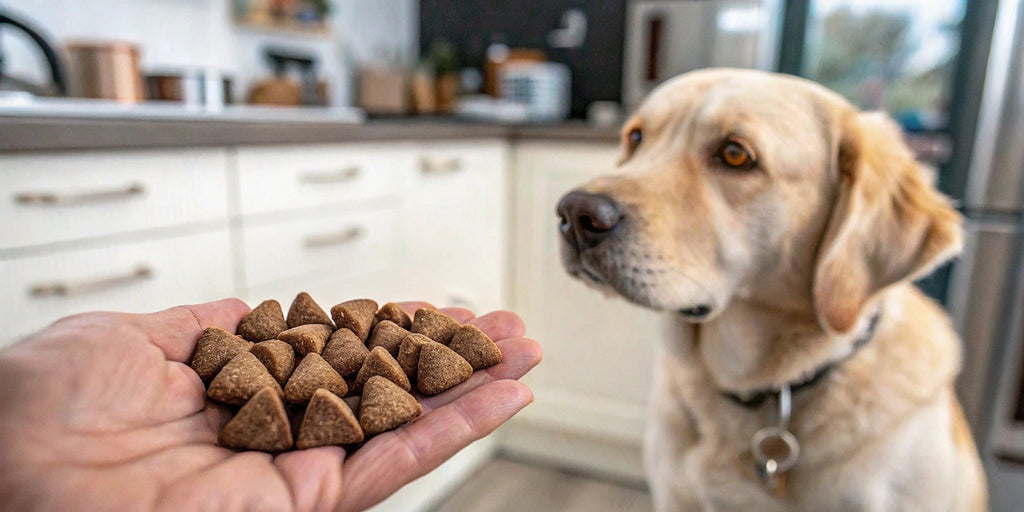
{"x": 996, "y": 178}
{"x": 978, "y": 294}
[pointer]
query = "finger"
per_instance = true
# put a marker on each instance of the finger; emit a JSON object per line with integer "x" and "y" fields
{"x": 314, "y": 476}
{"x": 500, "y": 325}
{"x": 519, "y": 356}
{"x": 461, "y": 315}
{"x": 176, "y": 330}
{"x": 393, "y": 459}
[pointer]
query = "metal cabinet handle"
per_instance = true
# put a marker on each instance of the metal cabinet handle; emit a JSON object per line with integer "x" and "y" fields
{"x": 443, "y": 166}
{"x": 333, "y": 176}
{"x": 86, "y": 286}
{"x": 345, "y": 236}
{"x": 73, "y": 198}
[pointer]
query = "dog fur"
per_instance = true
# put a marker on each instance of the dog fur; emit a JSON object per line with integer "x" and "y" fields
{"x": 793, "y": 257}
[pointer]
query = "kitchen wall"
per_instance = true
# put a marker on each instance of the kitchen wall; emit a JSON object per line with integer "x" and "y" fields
{"x": 201, "y": 33}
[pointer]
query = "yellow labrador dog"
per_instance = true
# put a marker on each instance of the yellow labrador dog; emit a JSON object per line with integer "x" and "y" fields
{"x": 782, "y": 227}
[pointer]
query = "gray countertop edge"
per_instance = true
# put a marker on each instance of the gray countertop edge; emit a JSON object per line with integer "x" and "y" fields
{"x": 20, "y": 134}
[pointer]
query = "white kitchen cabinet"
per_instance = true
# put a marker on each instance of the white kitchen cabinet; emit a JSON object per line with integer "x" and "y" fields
{"x": 455, "y": 224}
{"x": 57, "y": 197}
{"x": 584, "y": 333}
{"x": 139, "y": 276}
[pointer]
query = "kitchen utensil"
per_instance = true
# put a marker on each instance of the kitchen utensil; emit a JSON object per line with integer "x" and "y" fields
{"x": 202, "y": 88}
{"x": 105, "y": 70}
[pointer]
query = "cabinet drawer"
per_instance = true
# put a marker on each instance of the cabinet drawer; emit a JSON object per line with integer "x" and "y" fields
{"x": 58, "y": 197}
{"x": 327, "y": 246}
{"x": 137, "y": 277}
{"x": 283, "y": 178}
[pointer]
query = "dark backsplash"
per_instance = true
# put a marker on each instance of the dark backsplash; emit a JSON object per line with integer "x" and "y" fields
{"x": 470, "y": 24}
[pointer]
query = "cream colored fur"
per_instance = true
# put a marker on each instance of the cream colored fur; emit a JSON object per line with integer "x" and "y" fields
{"x": 793, "y": 257}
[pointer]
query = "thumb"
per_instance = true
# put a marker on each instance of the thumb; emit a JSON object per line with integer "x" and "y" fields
{"x": 176, "y": 330}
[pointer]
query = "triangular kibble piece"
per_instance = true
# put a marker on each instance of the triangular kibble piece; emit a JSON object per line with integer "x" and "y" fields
{"x": 435, "y": 325}
{"x": 355, "y": 315}
{"x": 214, "y": 349}
{"x": 394, "y": 313}
{"x": 305, "y": 310}
{"x": 307, "y": 339}
{"x": 240, "y": 379}
{"x": 440, "y": 368}
{"x": 328, "y": 421}
{"x": 380, "y": 362}
{"x": 263, "y": 323}
{"x": 389, "y": 335}
{"x": 385, "y": 406}
{"x": 476, "y": 347}
{"x": 409, "y": 353}
{"x": 311, "y": 374}
{"x": 277, "y": 356}
{"x": 345, "y": 352}
{"x": 261, "y": 424}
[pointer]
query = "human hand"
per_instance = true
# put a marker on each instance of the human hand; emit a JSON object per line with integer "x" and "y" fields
{"x": 100, "y": 411}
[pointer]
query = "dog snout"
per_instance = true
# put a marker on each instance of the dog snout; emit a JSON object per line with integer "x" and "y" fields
{"x": 588, "y": 219}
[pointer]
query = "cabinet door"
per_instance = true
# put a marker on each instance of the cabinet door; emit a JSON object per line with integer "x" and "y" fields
{"x": 455, "y": 225}
{"x": 598, "y": 350}
{"x": 141, "y": 276}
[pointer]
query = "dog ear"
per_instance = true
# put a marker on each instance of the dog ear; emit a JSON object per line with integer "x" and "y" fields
{"x": 889, "y": 222}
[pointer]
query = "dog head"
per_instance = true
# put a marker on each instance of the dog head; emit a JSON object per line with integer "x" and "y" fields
{"x": 767, "y": 187}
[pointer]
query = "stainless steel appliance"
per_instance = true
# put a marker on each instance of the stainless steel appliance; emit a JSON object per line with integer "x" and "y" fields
{"x": 986, "y": 298}
{"x": 667, "y": 37}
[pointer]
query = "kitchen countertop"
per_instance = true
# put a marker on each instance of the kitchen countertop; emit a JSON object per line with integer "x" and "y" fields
{"x": 43, "y": 133}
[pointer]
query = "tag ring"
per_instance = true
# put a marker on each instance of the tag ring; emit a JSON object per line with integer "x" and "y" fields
{"x": 778, "y": 435}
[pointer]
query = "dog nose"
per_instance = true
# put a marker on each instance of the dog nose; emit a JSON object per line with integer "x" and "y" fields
{"x": 587, "y": 219}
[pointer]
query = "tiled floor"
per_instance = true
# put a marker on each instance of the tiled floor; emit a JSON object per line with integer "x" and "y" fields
{"x": 505, "y": 486}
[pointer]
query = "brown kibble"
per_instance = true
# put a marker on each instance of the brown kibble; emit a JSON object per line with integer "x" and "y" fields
{"x": 440, "y": 368}
{"x": 380, "y": 362}
{"x": 311, "y": 374}
{"x": 356, "y": 315}
{"x": 353, "y": 402}
{"x": 394, "y": 313}
{"x": 263, "y": 323}
{"x": 389, "y": 335}
{"x": 345, "y": 352}
{"x": 214, "y": 349}
{"x": 409, "y": 353}
{"x": 385, "y": 406}
{"x": 435, "y": 325}
{"x": 261, "y": 424}
{"x": 277, "y": 356}
{"x": 305, "y": 310}
{"x": 328, "y": 421}
{"x": 307, "y": 339}
{"x": 240, "y": 379}
{"x": 476, "y": 347}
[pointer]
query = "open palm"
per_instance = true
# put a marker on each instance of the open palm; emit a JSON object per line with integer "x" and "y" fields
{"x": 100, "y": 411}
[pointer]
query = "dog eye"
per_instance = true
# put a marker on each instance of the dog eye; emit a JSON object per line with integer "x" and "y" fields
{"x": 734, "y": 155}
{"x": 636, "y": 136}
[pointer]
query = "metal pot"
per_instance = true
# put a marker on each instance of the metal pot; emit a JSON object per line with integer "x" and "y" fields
{"x": 204, "y": 88}
{"x": 105, "y": 70}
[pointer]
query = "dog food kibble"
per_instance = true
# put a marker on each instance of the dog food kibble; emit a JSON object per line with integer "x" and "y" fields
{"x": 394, "y": 313}
{"x": 261, "y": 424}
{"x": 214, "y": 349}
{"x": 328, "y": 421}
{"x": 440, "y": 368}
{"x": 478, "y": 349}
{"x": 372, "y": 357}
{"x": 356, "y": 315}
{"x": 385, "y": 406}
{"x": 380, "y": 362}
{"x": 435, "y": 325}
{"x": 311, "y": 374}
{"x": 389, "y": 335}
{"x": 277, "y": 356}
{"x": 307, "y": 339}
{"x": 345, "y": 352}
{"x": 240, "y": 379}
{"x": 305, "y": 311}
{"x": 263, "y": 323}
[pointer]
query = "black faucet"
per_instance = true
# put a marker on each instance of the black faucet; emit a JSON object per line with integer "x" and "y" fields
{"x": 52, "y": 59}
